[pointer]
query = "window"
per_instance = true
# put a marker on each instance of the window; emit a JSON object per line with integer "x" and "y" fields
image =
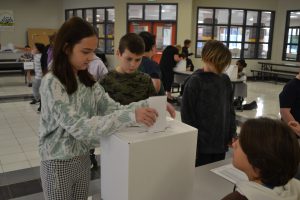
{"x": 291, "y": 50}
{"x": 103, "y": 19}
{"x": 159, "y": 19}
{"x": 247, "y": 33}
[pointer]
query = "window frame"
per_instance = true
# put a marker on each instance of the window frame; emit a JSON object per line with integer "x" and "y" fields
{"x": 244, "y": 26}
{"x": 286, "y": 35}
{"x": 94, "y": 23}
{"x": 152, "y": 22}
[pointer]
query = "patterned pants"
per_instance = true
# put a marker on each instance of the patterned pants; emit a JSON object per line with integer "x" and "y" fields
{"x": 66, "y": 179}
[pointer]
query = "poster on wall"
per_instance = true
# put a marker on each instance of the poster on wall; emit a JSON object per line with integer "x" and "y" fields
{"x": 7, "y": 21}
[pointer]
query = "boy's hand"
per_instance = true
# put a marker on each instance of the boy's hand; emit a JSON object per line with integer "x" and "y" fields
{"x": 295, "y": 126}
{"x": 146, "y": 116}
{"x": 171, "y": 110}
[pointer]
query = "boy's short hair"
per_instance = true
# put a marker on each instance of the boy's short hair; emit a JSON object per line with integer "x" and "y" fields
{"x": 134, "y": 43}
{"x": 272, "y": 148}
{"x": 149, "y": 40}
{"x": 217, "y": 54}
{"x": 187, "y": 42}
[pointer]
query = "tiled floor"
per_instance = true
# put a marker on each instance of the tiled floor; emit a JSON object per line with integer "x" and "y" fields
{"x": 13, "y": 84}
{"x": 19, "y": 120}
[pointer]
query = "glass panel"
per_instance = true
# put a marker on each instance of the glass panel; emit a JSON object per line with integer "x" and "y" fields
{"x": 293, "y": 35}
{"x": 152, "y": 12}
{"x": 110, "y": 30}
{"x": 236, "y": 33}
{"x": 221, "y": 33}
{"x": 235, "y": 49}
{"x": 200, "y": 46}
{"x": 163, "y": 36}
{"x": 100, "y": 15}
{"x": 101, "y": 31}
{"x": 295, "y": 18}
{"x": 111, "y": 15}
{"x": 237, "y": 17}
{"x": 264, "y": 35}
{"x": 109, "y": 46}
{"x": 168, "y": 12}
{"x": 249, "y": 50}
{"x": 291, "y": 52}
{"x": 266, "y": 18}
{"x": 252, "y": 18}
{"x": 89, "y": 15}
{"x": 69, "y": 14}
{"x": 204, "y": 15}
{"x": 221, "y": 16}
{"x": 263, "y": 50}
{"x": 79, "y": 13}
{"x": 250, "y": 35}
{"x": 204, "y": 33}
{"x": 101, "y": 46}
{"x": 138, "y": 27}
{"x": 135, "y": 12}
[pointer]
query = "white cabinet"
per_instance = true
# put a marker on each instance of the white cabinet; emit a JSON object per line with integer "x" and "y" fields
{"x": 137, "y": 165}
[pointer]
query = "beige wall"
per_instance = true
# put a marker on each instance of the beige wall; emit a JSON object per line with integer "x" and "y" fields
{"x": 30, "y": 14}
{"x": 279, "y": 6}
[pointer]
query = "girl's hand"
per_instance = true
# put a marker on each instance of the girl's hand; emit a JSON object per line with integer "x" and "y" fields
{"x": 146, "y": 116}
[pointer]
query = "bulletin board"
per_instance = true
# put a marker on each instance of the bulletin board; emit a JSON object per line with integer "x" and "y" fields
{"x": 39, "y": 35}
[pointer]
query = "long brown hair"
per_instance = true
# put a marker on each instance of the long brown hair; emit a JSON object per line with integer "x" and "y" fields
{"x": 69, "y": 34}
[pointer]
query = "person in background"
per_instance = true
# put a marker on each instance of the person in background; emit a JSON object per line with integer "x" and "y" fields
{"x": 241, "y": 88}
{"x": 185, "y": 52}
{"x": 207, "y": 104}
{"x": 27, "y": 57}
{"x": 267, "y": 151}
{"x": 169, "y": 58}
{"x": 289, "y": 100}
{"x": 126, "y": 84}
{"x": 50, "y": 49}
{"x": 149, "y": 66}
{"x": 38, "y": 74}
{"x": 97, "y": 68}
{"x": 75, "y": 112}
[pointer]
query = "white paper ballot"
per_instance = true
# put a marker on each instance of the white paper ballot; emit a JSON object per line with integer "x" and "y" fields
{"x": 159, "y": 103}
{"x": 230, "y": 173}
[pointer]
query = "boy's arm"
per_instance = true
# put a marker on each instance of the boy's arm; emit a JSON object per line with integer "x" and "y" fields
{"x": 189, "y": 102}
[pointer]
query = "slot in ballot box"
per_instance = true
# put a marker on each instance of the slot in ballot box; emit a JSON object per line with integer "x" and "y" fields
{"x": 138, "y": 165}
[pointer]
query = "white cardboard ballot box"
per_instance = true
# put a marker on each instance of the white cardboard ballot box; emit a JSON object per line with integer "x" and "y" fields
{"x": 138, "y": 165}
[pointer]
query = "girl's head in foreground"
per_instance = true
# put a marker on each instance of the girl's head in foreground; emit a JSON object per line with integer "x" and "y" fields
{"x": 74, "y": 48}
{"x": 267, "y": 151}
{"x": 216, "y": 54}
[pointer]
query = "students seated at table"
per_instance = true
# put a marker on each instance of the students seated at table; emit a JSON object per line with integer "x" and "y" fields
{"x": 207, "y": 104}
{"x": 268, "y": 152}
